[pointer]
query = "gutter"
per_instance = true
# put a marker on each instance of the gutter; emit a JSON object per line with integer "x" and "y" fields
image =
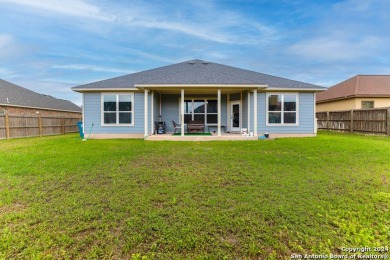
{"x": 43, "y": 108}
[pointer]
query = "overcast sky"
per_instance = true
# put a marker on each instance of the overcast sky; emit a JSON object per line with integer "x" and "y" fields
{"x": 50, "y": 46}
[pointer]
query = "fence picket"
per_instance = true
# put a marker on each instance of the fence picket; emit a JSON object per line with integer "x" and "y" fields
{"x": 374, "y": 121}
{"x": 28, "y": 126}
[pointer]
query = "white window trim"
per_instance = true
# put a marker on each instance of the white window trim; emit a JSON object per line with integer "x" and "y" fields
{"x": 282, "y": 112}
{"x": 117, "y": 99}
{"x": 205, "y": 113}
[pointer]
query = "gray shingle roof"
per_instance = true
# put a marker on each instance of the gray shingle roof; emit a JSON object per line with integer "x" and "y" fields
{"x": 11, "y": 94}
{"x": 197, "y": 72}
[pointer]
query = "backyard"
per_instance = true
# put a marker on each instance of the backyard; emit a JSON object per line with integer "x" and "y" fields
{"x": 61, "y": 197}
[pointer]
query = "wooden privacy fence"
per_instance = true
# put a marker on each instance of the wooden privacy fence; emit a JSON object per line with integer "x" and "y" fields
{"x": 371, "y": 121}
{"x": 28, "y": 126}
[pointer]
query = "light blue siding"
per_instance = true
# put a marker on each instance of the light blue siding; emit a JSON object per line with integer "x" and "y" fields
{"x": 306, "y": 116}
{"x": 92, "y": 114}
{"x": 170, "y": 111}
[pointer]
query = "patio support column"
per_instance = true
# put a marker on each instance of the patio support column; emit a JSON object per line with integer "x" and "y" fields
{"x": 249, "y": 111}
{"x": 146, "y": 113}
{"x": 182, "y": 112}
{"x": 152, "y": 113}
{"x": 255, "y": 112}
{"x": 219, "y": 112}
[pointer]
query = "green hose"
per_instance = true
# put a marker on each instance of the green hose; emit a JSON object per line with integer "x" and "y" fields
{"x": 90, "y": 131}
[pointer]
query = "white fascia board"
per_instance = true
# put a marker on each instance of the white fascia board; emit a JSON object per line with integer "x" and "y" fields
{"x": 200, "y": 85}
{"x": 295, "y": 89}
{"x": 104, "y": 89}
{"x": 42, "y": 108}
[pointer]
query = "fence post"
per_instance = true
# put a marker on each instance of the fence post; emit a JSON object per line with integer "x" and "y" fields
{"x": 40, "y": 125}
{"x": 327, "y": 120}
{"x": 388, "y": 121}
{"x": 62, "y": 125}
{"x": 7, "y": 134}
{"x": 351, "y": 121}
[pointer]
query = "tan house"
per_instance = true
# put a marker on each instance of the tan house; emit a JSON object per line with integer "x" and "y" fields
{"x": 359, "y": 92}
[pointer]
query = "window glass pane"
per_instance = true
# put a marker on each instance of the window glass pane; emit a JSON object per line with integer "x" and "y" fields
{"x": 236, "y": 115}
{"x": 187, "y": 117}
{"x": 125, "y": 118}
{"x": 109, "y": 102}
{"x": 110, "y": 118}
{"x": 187, "y": 106}
{"x": 275, "y": 117}
{"x": 367, "y": 104}
{"x": 212, "y": 106}
{"x": 198, "y": 106}
{"x": 199, "y": 117}
{"x": 274, "y": 103}
{"x": 125, "y": 102}
{"x": 290, "y": 118}
{"x": 290, "y": 103}
{"x": 212, "y": 119}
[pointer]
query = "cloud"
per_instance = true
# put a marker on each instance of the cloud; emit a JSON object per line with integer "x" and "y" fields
{"x": 90, "y": 68}
{"x": 5, "y": 40}
{"x": 348, "y": 31}
{"x": 208, "y": 22}
{"x": 5, "y": 72}
{"x": 335, "y": 48}
{"x": 11, "y": 50}
{"x": 68, "y": 7}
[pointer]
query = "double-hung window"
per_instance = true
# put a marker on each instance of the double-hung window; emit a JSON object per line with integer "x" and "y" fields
{"x": 118, "y": 109}
{"x": 282, "y": 109}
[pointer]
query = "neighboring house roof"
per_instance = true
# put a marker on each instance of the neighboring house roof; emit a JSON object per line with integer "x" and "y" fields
{"x": 197, "y": 72}
{"x": 14, "y": 95}
{"x": 358, "y": 86}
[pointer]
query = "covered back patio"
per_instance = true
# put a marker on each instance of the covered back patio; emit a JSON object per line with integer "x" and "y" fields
{"x": 225, "y": 111}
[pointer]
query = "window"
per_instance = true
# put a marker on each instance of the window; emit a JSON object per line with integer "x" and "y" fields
{"x": 282, "y": 109}
{"x": 117, "y": 109}
{"x": 367, "y": 104}
{"x": 201, "y": 109}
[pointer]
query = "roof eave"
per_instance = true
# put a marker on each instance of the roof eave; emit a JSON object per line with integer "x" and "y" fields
{"x": 296, "y": 89}
{"x": 246, "y": 86}
{"x": 81, "y": 90}
{"x": 44, "y": 108}
{"x": 353, "y": 96}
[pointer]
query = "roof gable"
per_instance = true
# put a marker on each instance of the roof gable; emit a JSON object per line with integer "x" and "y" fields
{"x": 14, "y": 95}
{"x": 196, "y": 72}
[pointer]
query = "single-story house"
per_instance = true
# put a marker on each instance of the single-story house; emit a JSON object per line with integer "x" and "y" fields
{"x": 358, "y": 92}
{"x": 18, "y": 101}
{"x": 225, "y": 99}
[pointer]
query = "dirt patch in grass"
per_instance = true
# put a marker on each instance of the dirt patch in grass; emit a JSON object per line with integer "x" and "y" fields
{"x": 12, "y": 208}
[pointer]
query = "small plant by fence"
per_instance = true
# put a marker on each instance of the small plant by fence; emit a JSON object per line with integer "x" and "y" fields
{"x": 29, "y": 126}
{"x": 370, "y": 121}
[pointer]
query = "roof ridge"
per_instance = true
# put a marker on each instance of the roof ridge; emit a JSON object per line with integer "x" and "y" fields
{"x": 134, "y": 73}
{"x": 233, "y": 68}
{"x": 176, "y": 72}
{"x": 356, "y": 88}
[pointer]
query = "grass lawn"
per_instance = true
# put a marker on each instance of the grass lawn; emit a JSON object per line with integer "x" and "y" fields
{"x": 64, "y": 198}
